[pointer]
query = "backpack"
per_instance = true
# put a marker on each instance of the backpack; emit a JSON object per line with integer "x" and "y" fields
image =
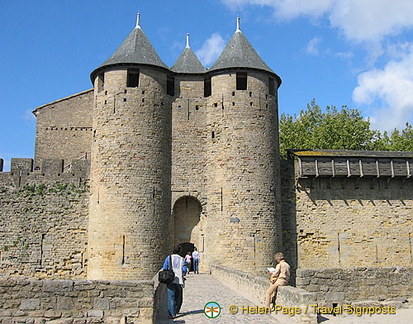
{"x": 167, "y": 276}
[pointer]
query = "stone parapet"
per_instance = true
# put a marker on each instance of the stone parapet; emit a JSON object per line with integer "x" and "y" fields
{"x": 355, "y": 284}
{"x": 254, "y": 288}
{"x": 67, "y": 301}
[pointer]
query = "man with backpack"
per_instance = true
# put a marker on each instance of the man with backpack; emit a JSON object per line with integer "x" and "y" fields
{"x": 175, "y": 288}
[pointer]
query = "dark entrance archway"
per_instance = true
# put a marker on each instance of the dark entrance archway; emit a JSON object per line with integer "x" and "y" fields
{"x": 186, "y": 247}
{"x": 186, "y": 219}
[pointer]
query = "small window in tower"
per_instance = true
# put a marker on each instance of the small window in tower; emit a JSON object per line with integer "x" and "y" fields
{"x": 101, "y": 81}
{"x": 170, "y": 86}
{"x": 241, "y": 81}
{"x": 271, "y": 86}
{"x": 133, "y": 78}
{"x": 207, "y": 87}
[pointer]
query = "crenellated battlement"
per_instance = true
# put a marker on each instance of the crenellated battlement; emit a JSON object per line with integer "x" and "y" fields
{"x": 22, "y": 172}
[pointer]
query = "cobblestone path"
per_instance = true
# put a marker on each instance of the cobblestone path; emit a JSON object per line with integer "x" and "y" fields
{"x": 203, "y": 288}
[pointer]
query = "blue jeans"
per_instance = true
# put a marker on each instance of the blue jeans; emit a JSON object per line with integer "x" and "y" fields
{"x": 174, "y": 298}
{"x": 196, "y": 262}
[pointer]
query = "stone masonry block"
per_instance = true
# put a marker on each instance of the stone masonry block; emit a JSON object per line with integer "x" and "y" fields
{"x": 30, "y": 304}
{"x": 64, "y": 303}
{"x": 56, "y": 286}
{"x": 95, "y": 313}
{"x": 102, "y": 303}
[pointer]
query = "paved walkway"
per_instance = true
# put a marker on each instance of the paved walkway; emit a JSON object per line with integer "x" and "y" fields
{"x": 203, "y": 288}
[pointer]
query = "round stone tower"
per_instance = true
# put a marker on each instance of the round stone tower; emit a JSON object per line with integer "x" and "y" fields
{"x": 244, "y": 220}
{"x": 130, "y": 163}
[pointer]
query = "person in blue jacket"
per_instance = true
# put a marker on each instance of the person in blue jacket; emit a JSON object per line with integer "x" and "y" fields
{"x": 175, "y": 289}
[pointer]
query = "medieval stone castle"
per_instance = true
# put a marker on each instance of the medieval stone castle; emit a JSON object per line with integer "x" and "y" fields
{"x": 153, "y": 156}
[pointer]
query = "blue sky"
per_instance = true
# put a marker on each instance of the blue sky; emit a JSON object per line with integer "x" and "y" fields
{"x": 341, "y": 52}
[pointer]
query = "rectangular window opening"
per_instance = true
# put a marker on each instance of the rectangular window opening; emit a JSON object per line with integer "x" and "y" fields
{"x": 207, "y": 87}
{"x": 271, "y": 86}
{"x": 133, "y": 78}
{"x": 170, "y": 86}
{"x": 241, "y": 81}
{"x": 101, "y": 81}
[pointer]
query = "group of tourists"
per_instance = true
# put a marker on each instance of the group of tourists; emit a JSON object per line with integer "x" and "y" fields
{"x": 177, "y": 267}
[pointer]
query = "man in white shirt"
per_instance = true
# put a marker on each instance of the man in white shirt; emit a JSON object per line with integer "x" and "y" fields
{"x": 196, "y": 258}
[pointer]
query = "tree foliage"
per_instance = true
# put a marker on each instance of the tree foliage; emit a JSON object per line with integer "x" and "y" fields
{"x": 335, "y": 128}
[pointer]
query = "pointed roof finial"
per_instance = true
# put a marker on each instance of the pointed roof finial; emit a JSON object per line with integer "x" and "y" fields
{"x": 138, "y": 20}
{"x": 238, "y": 24}
{"x": 187, "y": 40}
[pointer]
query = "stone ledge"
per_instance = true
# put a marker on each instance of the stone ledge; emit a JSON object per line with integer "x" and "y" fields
{"x": 254, "y": 288}
{"x": 68, "y": 301}
{"x": 349, "y": 285}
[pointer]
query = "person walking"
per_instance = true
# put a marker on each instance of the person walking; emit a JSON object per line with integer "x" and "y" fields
{"x": 279, "y": 277}
{"x": 188, "y": 260}
{"x": 195, "y": 260}
{"x": 175, "y": 288}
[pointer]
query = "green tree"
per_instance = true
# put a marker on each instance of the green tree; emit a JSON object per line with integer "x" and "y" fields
{"x": 343, "y": 128}
{"x": 396, "y": 141}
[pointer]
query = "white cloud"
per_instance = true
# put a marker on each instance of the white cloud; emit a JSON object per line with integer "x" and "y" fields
{"x": 288, "y": 9}
{"x": 359, "y": 20}
{"x": 371, "y": 19}
{"x": 312, "y": 46}
{"x": 29, "y": 116}
{"x": 211, "y": 49}
{"x": 389, "y": 89}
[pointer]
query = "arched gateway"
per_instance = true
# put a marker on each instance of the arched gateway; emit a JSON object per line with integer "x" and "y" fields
{"x": 186, "y": 216}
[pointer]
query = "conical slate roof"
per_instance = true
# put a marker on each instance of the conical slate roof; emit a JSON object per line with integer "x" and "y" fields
{"x": 188, "y": 62}
{"x": 135, "y": 49}
{"x": 239, "y": 53}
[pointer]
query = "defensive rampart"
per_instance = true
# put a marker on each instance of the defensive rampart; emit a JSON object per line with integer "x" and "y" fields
{"x": 43, "y": 220}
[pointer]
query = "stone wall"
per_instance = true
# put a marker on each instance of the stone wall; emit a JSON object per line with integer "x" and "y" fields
{"x": 64, "y": 129}
{"x": 189, "y": 179}
{"x": 67, "y": 301}
{"x": 253, "y": 288}
{"x": 355, "y": 284}
{"x": 354, "y": 222}
{"x": 288, "y": 215}
{"x": 43, "y": 225}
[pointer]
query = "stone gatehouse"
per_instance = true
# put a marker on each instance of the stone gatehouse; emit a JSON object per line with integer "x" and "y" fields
{"x": 156, "y": 155}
